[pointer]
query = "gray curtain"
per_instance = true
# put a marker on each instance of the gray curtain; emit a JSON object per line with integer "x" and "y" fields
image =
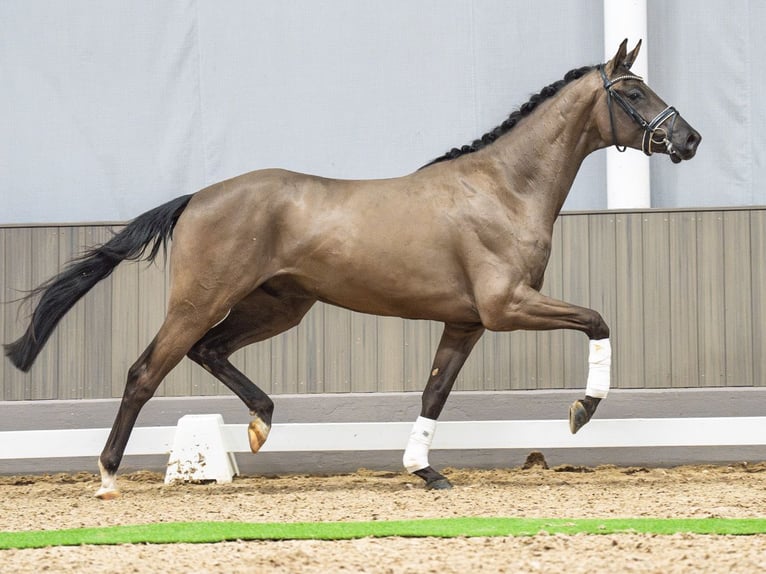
{"x": 110, "y": 108}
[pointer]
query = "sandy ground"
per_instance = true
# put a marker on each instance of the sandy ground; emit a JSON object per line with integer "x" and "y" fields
{"x": 65, "y": 501}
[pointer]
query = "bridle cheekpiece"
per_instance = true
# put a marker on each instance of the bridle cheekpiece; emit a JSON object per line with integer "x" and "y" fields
{"x": 654, "y": 133}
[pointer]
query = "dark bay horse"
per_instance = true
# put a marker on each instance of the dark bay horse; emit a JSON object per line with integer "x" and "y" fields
{"x": 464, "y": 240}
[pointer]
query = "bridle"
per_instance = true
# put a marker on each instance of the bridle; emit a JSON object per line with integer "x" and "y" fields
{"x": 654, "y": 133}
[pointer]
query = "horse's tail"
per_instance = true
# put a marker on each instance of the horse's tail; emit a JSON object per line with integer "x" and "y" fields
{"x": 154, "y": 228}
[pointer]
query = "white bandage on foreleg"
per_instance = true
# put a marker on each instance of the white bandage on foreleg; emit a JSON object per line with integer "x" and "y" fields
{"x": 416, "y": 454}
{"x": 599, "y": 368}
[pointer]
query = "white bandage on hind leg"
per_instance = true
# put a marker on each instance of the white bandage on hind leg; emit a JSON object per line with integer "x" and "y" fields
{"x": 416, "y": 454}
{"x": 599, "y": 368}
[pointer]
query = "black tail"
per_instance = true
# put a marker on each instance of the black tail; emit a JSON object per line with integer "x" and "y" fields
{"x": 60, "y": 293}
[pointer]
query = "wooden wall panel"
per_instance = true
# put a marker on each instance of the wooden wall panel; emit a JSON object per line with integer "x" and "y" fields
{"x": 311, "y": 354}
{"x": 97, "y": 329}
{"x": 44, "y": 262}
{"x": 737, "y": 300}
{"x": 656, "y": 301}
{"x": 758, "y": 294}
{"x": 628, "y": 328}
{"x": 18, "y": 277}
{"x": 417, "y": 354}
{"x": 682, "y": 279}
{"x": 683, "y": 291}
{"x": 5, "y": 325}
{"x": 390, "y": 365}
{"x": 127, "y": 344}
{"x": 364, "y": 352}
{"x": 70, "y": 332}
{"x": 337, "y": 350}
{"x": 711, "y": 302}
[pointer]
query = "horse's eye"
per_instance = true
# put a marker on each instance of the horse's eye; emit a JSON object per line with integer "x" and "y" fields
{"x": 635, "y": 94}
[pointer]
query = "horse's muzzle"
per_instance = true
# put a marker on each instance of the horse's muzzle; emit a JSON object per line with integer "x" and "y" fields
{"x": 684, "y": 145}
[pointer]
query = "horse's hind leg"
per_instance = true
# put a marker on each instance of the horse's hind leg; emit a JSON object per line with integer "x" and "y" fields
{"x": 261, "y": 315}
{"x": 456, "y": 344}
{"x": 178, "y": 333}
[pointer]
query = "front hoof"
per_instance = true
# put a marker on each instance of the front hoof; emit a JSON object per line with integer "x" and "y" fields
{"x": 434, "y": 480}
{"x": 257, "y": 433}
{"x": 439, "y": 484}
{"x": 578, "y": 416}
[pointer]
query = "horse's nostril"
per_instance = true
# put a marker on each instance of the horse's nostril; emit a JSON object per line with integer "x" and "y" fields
{"x": 693, "y": 140}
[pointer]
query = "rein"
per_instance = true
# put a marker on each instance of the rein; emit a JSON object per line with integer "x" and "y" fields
{"x": 651, "y": 129}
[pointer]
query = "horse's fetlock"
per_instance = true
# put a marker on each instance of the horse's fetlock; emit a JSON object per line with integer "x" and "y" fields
{"x": 109, "y": 463}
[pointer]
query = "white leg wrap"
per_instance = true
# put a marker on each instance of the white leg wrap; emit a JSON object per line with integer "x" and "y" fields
{"x": 599, "y": 368}
{"x": 416, "y": 454}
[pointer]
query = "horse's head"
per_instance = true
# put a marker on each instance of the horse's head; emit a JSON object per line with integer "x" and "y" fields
{"x": 634, "y": 116}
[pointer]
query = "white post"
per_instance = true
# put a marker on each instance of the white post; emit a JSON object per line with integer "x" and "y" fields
{"x": 627, "y": 174}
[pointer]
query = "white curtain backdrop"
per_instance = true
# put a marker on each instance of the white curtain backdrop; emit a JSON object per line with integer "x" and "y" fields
{"x": 108, "y": 108}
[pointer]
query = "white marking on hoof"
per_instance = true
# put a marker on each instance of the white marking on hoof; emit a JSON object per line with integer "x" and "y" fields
{"x": 257, "y": 432}
{"x": 108, "y": 490}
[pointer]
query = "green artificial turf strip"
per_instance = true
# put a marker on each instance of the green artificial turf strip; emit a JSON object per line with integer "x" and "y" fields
{"x": 201, "y": 532}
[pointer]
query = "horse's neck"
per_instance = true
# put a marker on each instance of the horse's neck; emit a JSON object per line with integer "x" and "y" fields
{"x": 541, "y": 156}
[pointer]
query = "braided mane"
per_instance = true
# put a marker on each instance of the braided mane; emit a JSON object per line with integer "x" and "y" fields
{"x": 510, "y": 122}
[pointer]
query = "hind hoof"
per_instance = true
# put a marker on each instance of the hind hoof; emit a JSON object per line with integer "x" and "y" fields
{"x": 107, "y": 494}
{"x": 439, "y": 484}
{"x": 578, "y": 416}
{"x": 257, "y": 433}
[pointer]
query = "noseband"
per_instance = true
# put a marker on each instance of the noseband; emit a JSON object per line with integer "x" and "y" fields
{"x": 654, "y": 133}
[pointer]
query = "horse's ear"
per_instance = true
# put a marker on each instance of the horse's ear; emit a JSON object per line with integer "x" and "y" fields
{"x": 630, "y": 58}
{"x": 616, "y": 63}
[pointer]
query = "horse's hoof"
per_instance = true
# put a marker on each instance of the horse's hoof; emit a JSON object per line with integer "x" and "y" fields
{"x": 434, "y": 480}
{"x": 107, "y": 493}
{"x": 578, "y": 416}
{"x": 257, "y": 432}
{"x": 439, "y": 484}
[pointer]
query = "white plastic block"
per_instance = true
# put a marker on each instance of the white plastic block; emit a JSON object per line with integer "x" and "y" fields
{"x": 199, "y": 452}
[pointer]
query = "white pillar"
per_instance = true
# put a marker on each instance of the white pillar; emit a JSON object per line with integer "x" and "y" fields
{"x": 627, "y": 174}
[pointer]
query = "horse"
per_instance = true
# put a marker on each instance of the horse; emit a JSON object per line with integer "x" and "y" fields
{"x": 464, "y": 241}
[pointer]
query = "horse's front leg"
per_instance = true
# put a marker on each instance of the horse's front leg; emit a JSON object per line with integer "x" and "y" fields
{"x": 455, "y": 346}
{"x": 529, "y": 309}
